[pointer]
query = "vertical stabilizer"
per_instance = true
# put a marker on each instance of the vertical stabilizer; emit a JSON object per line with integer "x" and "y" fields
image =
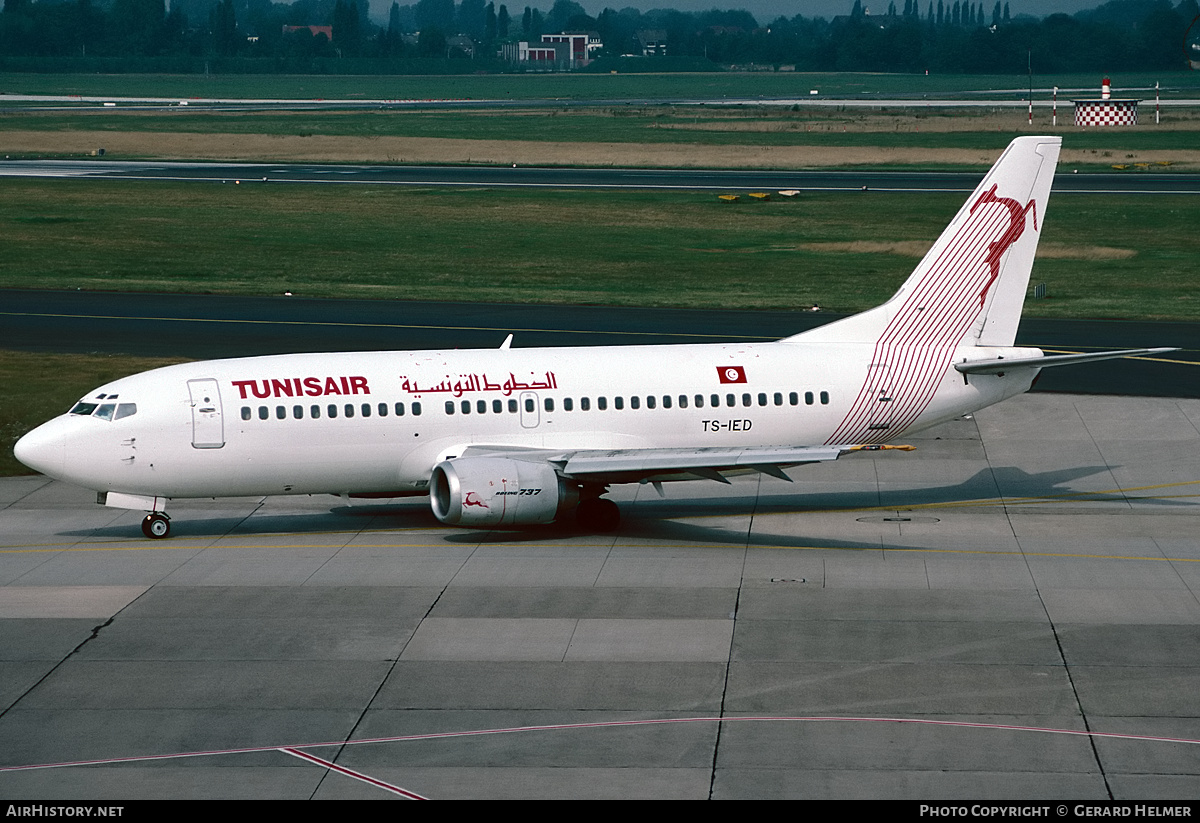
{"x": 970, "y": 287}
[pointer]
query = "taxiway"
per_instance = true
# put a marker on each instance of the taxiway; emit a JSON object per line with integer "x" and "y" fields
{"x": 1010, "y": 611}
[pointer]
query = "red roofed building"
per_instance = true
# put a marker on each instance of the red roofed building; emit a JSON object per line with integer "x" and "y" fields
{"x": 325, "y": 30}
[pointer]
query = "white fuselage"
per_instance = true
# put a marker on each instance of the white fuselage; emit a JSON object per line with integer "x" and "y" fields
{"x": 378, "y": 422}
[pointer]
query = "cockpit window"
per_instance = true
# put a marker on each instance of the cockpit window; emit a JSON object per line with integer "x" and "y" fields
{"x": 105, "y": 411}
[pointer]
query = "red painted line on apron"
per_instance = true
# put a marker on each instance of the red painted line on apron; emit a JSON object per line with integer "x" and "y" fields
{"x": 613, "y": 724}
{"x": 365, "y": 778}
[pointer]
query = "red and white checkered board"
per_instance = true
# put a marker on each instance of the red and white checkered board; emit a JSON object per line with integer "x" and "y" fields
{"x": 1106, "y": 114}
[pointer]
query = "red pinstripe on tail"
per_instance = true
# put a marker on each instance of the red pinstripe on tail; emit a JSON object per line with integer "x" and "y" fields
{"x": 968, "y": 290}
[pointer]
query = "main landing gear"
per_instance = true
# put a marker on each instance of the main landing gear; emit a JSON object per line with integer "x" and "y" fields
{"x": 597, "y": 514}
{"x": 156, "y": 525}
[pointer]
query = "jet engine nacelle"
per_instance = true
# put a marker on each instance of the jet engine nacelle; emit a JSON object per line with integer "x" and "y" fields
{"x": 480, "y": 492}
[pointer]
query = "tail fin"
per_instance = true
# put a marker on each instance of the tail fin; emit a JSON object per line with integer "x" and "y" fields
{"x": 970, "y": 287}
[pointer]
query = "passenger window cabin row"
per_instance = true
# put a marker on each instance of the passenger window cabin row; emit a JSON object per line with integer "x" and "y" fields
{"x": 331, "y": 411}
{"x": 496, "y": 406}
{"x": 667, "y": 401}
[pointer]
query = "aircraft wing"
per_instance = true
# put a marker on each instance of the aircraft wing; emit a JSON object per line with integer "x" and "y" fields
{"x": 632, "y": 465}
{"x": 997, "y": 365}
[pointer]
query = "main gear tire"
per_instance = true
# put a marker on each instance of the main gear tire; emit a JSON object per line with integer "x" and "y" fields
{"x": 598, "y": 514}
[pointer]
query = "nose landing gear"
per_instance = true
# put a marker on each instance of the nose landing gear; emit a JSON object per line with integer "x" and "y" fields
{"x": 156, "y": 525}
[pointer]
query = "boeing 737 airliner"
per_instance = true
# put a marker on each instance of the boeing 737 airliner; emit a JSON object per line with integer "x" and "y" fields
{"x": 515, "y": 437}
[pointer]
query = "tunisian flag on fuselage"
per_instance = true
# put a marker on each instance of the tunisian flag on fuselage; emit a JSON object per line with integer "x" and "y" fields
{"x": 731, "y": 374}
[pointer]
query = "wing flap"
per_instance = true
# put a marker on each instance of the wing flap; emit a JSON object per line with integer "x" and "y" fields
{"x": 611, "y": 466}
{"x": 621, "y": 461}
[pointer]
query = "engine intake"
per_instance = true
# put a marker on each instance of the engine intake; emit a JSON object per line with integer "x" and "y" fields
{"x": 482, "y": 492}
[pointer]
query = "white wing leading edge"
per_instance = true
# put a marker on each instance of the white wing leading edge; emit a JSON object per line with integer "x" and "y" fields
{"x": 603, "y": 467}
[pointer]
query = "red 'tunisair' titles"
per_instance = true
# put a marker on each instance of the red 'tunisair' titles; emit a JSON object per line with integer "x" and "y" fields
{"x": 301, "y": 387}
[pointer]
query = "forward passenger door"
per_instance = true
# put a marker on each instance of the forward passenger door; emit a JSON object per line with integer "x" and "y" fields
{"x": 208, "y": 428}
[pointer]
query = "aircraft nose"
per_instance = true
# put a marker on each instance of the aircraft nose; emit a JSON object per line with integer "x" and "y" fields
{"x": 42, "y": 450}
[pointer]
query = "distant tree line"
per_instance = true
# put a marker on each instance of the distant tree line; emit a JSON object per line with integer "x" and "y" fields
{"x": 259, "y": 35}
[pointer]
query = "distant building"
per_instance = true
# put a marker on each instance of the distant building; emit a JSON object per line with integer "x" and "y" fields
{"x": 462, "y": 43}
{"x": 536, "y": 55}
{"x": 580, "y": 45}
{"x": 325, "y": 30}
{"x": 653, "y": 42}
{"x": 566, "y": 50}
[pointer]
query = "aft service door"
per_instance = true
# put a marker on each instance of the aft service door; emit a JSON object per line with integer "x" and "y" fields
{"x": 208, "y": 430}
{"x": 883, "y": 404}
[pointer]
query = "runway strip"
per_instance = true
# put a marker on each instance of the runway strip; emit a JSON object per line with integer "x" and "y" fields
{"x": 602, "y": 178}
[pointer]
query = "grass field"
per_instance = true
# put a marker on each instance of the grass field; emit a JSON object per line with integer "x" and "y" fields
{"x": 765, "y": 126}
{"x": 842, "y": 251}
{"x": 652, "y": 129}
{"x": 579, "y": 133}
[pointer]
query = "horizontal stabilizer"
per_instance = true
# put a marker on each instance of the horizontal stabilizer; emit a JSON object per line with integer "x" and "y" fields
{"x": 1001, "y": 365}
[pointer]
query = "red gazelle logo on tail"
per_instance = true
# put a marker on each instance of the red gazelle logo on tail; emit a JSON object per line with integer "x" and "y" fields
{"x": 1016, "y": 227}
